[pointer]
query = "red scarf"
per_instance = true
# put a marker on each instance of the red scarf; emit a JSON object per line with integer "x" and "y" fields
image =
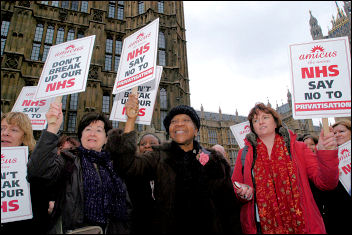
{"x": 277, "y": 194}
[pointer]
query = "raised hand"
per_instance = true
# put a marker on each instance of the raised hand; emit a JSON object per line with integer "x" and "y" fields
{"x": 55, "y": 110}
{"x": 327, "y": 142}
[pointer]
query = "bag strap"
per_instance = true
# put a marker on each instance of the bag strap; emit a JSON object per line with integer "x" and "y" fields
{"x": 243, "y": 156}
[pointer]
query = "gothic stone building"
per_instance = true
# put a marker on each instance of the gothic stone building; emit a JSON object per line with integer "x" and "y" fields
{"x": 30, "y": 28}
{"x": 341, "y": 26}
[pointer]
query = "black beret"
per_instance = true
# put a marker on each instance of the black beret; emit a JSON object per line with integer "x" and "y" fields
{"x": 181, "y": 109}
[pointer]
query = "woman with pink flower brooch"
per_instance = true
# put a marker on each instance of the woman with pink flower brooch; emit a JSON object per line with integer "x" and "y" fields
{"x": 192, "y": 185}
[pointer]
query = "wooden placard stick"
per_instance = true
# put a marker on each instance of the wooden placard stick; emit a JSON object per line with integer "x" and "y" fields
{"x": 57, "y": 100}
{"x": 326, "y": 127}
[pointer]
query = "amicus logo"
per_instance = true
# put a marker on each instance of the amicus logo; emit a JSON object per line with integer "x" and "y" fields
{"x": 246, "y": 129}
{"x": 318, "y": 52}
{"x": 317, "y": 48}
{"x": 69, "y": 49}
{"x": 140, "y": 37}
{"x": 345, "y": 153}
{"x": 7, "y": 160}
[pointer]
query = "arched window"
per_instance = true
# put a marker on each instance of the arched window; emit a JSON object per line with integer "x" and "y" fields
{"x": 161, "y": 51}
{"x": 161, "y": 40}
{"x": 161, "y": 6}
{"x": 71, "y": 35}
{"x": 60, "y": 35}
{"x": 38, "y": 33}
{"x": 140, "y": 7}
{"x": 106, "y": 103}
{"x": 163, "y": 98}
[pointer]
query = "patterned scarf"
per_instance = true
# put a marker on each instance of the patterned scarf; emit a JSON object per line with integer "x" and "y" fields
{"x": 277, "y": 193}
{"x": 104, "y": 193}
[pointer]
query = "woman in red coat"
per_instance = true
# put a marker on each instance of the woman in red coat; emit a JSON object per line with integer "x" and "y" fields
{"x": 273, "y": 185}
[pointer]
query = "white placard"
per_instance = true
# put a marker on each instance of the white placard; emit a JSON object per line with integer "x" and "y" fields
{"x": 146, "y": 97}
{"x": 345, "y": 165}
{"x": 66, "y": 68}
{"x": 321, "y": 78}
{"x": 240, "y": 131}
{"x": 15, "y": 193}
{"x": 138, "y": 58}
{"x": 34, "y": 109}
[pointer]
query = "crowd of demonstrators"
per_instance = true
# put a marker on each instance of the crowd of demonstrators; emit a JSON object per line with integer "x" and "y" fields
{"x": 16, "y": 130}
{"x": 273, "y": 183}
{"x": 179, "y": 186}
{"x": 141, "y": 191}
{"x": 90, "y": 192}
{"x": 338, "y": 201}
{"x": 192, "y": 185}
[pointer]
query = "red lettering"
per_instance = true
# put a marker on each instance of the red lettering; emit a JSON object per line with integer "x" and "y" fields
{"x": 60, "y": 85}
{"x": 146, "y": 47}
{"x": 26, "y": 103}
{"x": 70, "y": 82}
{"x": 347, "y": 169}
{"x": 141, "y": 112}
{"x": 319, "y": 71}
{"x": 3, "y": 206}
{"x": 309, "y": 73}
{"x": 334, "y": 71}
{"x": 138, "y": 51}
{"x": 33, "y": 103}
{"x": 50, "y": 87}
{"x": 14, "y": 205}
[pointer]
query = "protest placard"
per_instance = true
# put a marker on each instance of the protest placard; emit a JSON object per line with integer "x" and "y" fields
{"x": 321, "y": 78}
{"x": 138, "y": 58}
{"x": 34, "y": 109}
{"x": 66, "y": 68}
{"x": 15, "y": 194}
{"x": 240, "y": 131}
{"x": 146, "y": 97}
{"x": 345, "y": 165}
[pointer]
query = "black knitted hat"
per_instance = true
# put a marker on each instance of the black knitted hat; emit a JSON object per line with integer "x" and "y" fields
{"x": 181, "y": 109}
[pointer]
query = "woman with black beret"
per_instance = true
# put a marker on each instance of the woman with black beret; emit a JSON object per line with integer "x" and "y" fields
{"x": 192, "y": 185}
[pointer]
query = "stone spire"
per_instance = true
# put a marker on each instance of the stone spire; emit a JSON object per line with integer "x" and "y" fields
{"x": 315, "y": 29}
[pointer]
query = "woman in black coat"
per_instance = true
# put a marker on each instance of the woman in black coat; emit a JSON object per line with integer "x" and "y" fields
{"x": 192, "y": 186}
{"x": 90, "y": 192}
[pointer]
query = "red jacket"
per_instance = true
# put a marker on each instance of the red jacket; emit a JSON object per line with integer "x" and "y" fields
{"x": 320, "y": 168}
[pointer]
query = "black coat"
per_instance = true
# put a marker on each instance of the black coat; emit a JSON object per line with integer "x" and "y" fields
{"x": 64, "y": 173}
{"x": 189, "y": 198}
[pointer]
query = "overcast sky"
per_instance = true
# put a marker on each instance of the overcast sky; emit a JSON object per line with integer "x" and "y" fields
{"x": 238, "y": 51}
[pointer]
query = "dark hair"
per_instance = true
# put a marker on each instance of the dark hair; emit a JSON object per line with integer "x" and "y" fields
{"x": 139, "y": 142}
{"x": 266, "y": 109}
{"x": 315, "y": 139}
{"x": 64, "y": 138}
{"x": 181, "y": 109}
{"x": 88, "y": 118}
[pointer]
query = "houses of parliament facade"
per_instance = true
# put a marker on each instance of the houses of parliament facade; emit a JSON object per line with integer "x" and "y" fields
{"x": 30, "y": 28}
